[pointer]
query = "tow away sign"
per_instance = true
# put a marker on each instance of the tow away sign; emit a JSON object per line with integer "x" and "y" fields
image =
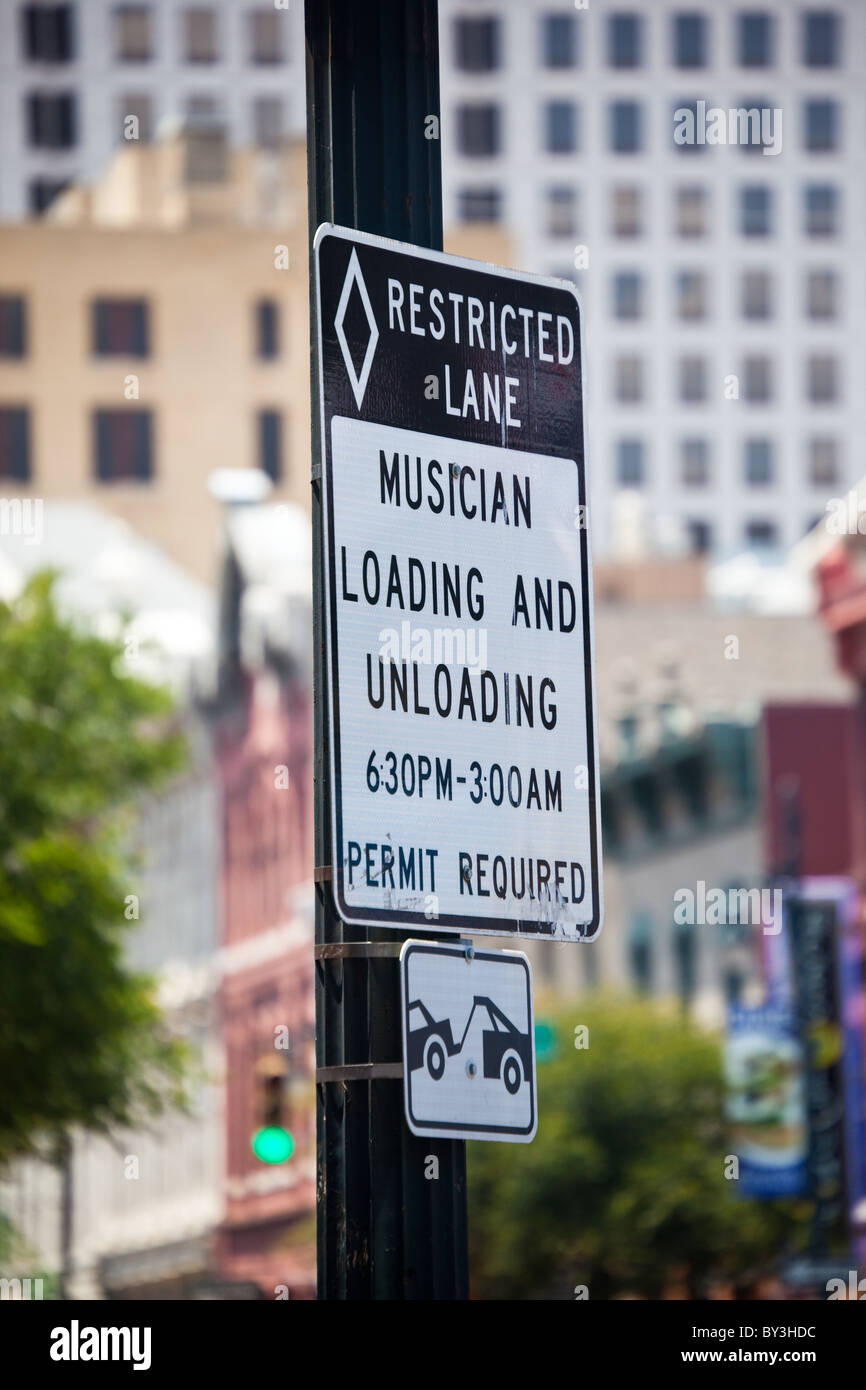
{"x": 459, "y": 593}
{"x": 468, "y": 1042}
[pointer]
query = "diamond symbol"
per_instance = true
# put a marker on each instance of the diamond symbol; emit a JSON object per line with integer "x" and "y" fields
{"x": 353, "y": 278}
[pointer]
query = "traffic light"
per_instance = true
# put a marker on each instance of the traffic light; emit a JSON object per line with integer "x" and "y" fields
{"x": 546, "y": 1040}
{"x": 272, "y": 1142}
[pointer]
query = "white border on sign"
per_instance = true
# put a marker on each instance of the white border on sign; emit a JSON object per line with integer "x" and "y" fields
{"x": 331, "y": 229}
{"x": 429, "y": 1131}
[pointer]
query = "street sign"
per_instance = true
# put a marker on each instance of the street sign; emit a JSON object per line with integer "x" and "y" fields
{"x": 468, "y": 1042}
{"x": 459, "y": 594}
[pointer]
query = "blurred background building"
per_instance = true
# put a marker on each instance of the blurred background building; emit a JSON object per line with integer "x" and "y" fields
{"x": 80, "y": 79}
{"x": 153, "y": 328}
{"x": 223, "y": 913}
{"x": 684, "y": 692}
{"x": 705, "y": 270}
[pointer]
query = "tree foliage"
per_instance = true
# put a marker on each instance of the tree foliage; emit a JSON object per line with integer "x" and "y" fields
{"x": 81, "y": 1038}
{"x": 623, "y": 1189}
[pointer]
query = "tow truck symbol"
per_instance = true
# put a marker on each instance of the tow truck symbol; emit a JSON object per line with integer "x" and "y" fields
{"x": 506, "y": 1052}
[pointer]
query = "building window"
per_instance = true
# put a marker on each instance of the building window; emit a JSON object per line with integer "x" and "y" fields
{"x": 691, "y": 295}
{"x": 477, "y": 44}
{"x": 122, "y": 445}
{"x": 751, "y": 120}
{"x": 480, "y": 205}
{"x": 759, "y": 462}
{"x": 200, "y": 35}
{"x": 820, "y": 39}
{"x": 627, "y": 295}
{"x": 270, "y": 427}
{"x": 203, "y": 109}
{"x": 120, "y": 328}
{"x": 267, "y": 329}
{"x": 628, "y": 380}
{"x": 626, "y": 211}
{"x": 733, "y": 984}
{"x": 561, "y": 211}
{"x": 268, "y": 122}
{"x": 560, "y": 127}
{"x": 13, "y": 326}
{"x": 43, "y": 192}
{"x": 821, "y": 296}
{"x": 755, "y": 210}
{"x": 685, "y": 961}
{"x": 693, "y": 380}
{"x": 640, "y": 951}
{"x": 692, "y": 211}
{"x": 690, "y": 40}
{"x": 133, "y": 33}
{"x": 822, "y": 379}
{"x": 625, "y": 127}
{"x": 700, "y": 535}
{"x": 822, "y": 210}
{"x": 624, "y": 36}
{"x": 207, "y": 154}
{"x": 757, "y": 380}
{"x": 15, "y": 443}
{"x": 682, "y": 129}
{"x": 47, "y": 33}
{"x": 820, "y": 126}
{"x": 51, "y": 120}
{"x": 756, "y": 294}
{"x": 558, "y": 41}
{"x": 761, "y": 534}
{"x": 478, "y": 130}
{"x": 823, "y": 462}
{"x": 266, "y": 36}
{"x": 136, "y": 118}
{"x": 755, "y": 39}
{"x": 630, "y": 462}
{"x": 695, "y": 460}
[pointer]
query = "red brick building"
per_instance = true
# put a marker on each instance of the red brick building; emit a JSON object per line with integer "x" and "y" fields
{"x": 264, "y": 744}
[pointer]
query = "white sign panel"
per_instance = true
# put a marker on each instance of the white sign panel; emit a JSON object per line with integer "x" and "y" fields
{"x": 468, "y": 1042}
{"x": 459, "y": 619}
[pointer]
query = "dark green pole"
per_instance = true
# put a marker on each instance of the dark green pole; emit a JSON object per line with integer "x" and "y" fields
{"x": 385, "y": 1228}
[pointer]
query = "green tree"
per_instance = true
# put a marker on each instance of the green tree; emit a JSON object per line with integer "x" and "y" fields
{"x": 82, "y": 1041}
{"x": 623, "y": 1189}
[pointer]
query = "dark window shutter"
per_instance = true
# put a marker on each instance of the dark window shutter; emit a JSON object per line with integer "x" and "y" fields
{"x": 268, "y": 345}
{"x": 270, "y": 444}
{"x": 139, "y": 328}
{"x": 15, "y": 443}
{"x": 13, "y": 326}
{"x": 102, "y": 440}
{"x": 141, "y": 444}
{"x": 20, "y": 444}
{"x": 100, "y": 327}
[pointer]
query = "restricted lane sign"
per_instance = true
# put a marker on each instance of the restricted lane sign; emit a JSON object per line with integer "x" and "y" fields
{"x": 468, "y": 1042}
{"x": 459, "y": 594}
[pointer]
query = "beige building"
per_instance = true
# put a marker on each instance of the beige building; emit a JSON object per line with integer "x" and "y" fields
{"x": 154, "y": 328}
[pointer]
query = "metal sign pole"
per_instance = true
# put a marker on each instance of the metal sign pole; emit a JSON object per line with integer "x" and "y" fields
{"x": 391, "y": 1224}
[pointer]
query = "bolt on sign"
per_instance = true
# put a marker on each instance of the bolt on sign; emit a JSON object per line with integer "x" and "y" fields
{"x": 459, "y": 594}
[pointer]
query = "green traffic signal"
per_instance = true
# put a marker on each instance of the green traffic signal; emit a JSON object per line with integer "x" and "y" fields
{"x": 273, "y": 1144}
{"x": 546, "y": 1040}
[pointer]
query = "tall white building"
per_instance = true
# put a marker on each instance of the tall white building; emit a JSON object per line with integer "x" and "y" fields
{"x": 724, "y": 288}
{"x": 78, "y": 78}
